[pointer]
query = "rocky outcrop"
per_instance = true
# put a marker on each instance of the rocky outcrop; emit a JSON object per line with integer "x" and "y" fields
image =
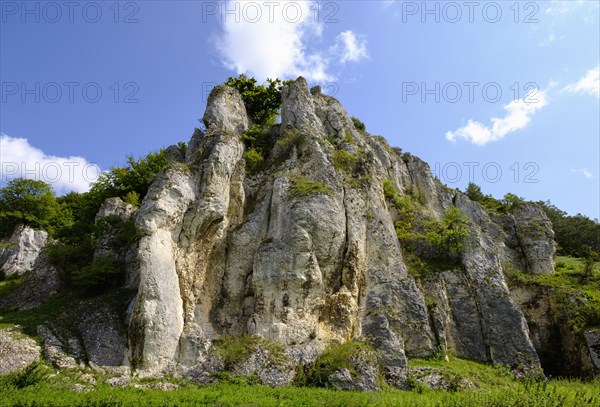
{"x": 592, "y": 339}
{"x": 19, "y": 253}
{"x": 536, "y": 238}
{"x": 40, "y": 284}
{"x": 563, "y": 351}
{"x": 17, "y": 351}
{"x": 305, "y": 252}
{"x": 54, "y": 349}
{"x": 225, "y": 110}
{"x": 302, "y": 253}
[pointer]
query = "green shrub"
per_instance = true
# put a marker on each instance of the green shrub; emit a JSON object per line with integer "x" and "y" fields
{"x": 389, "y": 191}
{"x": 236, "y": 349}
{"x": 345, "y": 161}
{"x": 576, "y": 235}
{"x": 301, "y": 186}
{"x": 448, "y": 236}
{"x": 102, "y": 273}
{"x": 69, "y": 258}
{"x": 511, "y": 201}
{"x": 414, "y": 229}
{"x": 136, "y": 176}
{"x": 254, "y": 159}
{"x": 256, "y": 137}
{"x": 9, "y": 285}
{"x": 335, "y": 357}
{"x": 262, "y": 102}
{"x": 474, "y": 193}
{"x": 409, "y": 226}
{"x": 358, "y": 125}
{"x": 577, "y": 301}
{"x": 32, "y": 375}
{"x": 132, "y": 198}
{"x": 291, "y": 138}
{"x": 122, "y": 233}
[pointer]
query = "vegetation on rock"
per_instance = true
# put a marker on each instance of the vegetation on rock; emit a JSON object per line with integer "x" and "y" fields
{"x": 262, "y": 102}
{"x": 301, "y": 186}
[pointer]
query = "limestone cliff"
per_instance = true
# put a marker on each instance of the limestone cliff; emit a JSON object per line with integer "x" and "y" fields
{"x": 226, "y": 251}
{"x": 302, "y": 251}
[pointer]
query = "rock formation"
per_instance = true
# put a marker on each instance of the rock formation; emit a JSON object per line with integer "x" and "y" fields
{"x": 304, "y": 252}
{"x": 19, "y": 253}
{"x": 228, "y": 252}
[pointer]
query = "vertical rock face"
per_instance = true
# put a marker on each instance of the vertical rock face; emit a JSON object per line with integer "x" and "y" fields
{"x": 304, "y": 252}
{"x": 19, "y": 253}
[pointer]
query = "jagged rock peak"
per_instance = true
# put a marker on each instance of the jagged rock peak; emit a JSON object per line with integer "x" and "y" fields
{"x": 19, "y": 253}
{"x": 225, "y": 110}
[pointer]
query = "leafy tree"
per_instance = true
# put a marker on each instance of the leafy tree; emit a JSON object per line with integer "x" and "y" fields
{"x": 576, "y": 235}
{"x": 102, "y": 273}
{"x": 510, "y": 201}
{"x": 262, "y": 102}
{"x": 136, "y": 177}
{"x": 32, "y": 203}
{"x": 474, "y": 193}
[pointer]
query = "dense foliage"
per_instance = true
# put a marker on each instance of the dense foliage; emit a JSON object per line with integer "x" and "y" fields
{"x": 70, "y": 219}
{"x": 262, "y": 102}
{"x": 447, "y": 236}
{"x": 577, "y": 236}
{"x": 31, "y": 202}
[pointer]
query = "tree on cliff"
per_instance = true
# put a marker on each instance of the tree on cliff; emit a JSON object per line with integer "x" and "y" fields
{"x": 262, "y": 102}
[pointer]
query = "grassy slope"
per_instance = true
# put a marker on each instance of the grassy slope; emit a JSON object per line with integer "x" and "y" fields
{"x": 495, "y": 386}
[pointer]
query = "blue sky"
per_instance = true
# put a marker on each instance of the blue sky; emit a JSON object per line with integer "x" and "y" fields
{"x": 502, "y": 93}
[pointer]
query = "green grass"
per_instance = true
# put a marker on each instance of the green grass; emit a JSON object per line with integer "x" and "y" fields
{"x": 301, "y": 186}
{"x": 335, "y": 357}
{"x": 9, "y": 285}
{"x": 346, "y": 161}
{"x": 484, "y": 377}
{"x": 236, "y": 349}
{"x": 56, "y": 391}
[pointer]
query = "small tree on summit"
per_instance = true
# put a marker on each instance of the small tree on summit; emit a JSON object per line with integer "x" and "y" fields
{"x": 262, "y": 102}
{"x": 474, "y": 193}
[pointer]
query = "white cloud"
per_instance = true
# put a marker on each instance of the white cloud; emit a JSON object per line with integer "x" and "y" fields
{"x": 272, "y": 43}
{"x": 281, "y": 40}
{"x": 354, "y": 49}
{"x": 583, "y": 171}
{"x": 518, "y": 115}
{"x": 18, "y": 158}
{"x": 589, "y": 84}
